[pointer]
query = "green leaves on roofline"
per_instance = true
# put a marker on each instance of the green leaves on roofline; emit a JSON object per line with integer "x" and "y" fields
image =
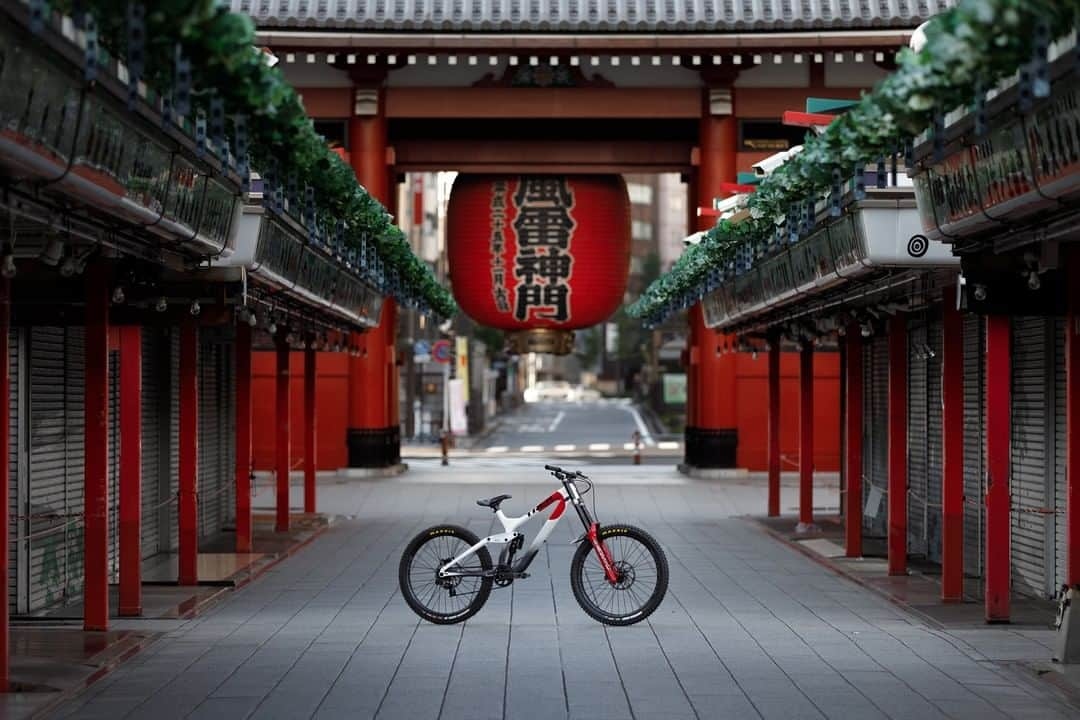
{"x": 226, "y": 64}
{"x": 970, "y": 46}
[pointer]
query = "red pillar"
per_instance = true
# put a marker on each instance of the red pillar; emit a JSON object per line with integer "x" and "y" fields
{"x": 130, "y": 470}
{"x": 952, "y": 443}
{"x": 368, "y": 151}
{"x": 281, "y": 523}
{"x": 998, "y": 436}
{"x": 393, "y": 404}
{"x": 309, "y": 429}
{"x": 774, "y": 426}
{"x": 1072, "y": 422}
{"x": 853, "y": 438}
{"x": 5, "y": 476}
{"x": 243, "y": 438}
{"x": 806, "y": 436}
{"x": 96, "y": 498}
{"x": 898, "y": 422}
{"x": 189, "y": 452}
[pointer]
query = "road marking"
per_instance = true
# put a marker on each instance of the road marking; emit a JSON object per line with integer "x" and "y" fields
{"x": 555, "y": 423}
{"x": 646, "y": 436}
{"x": 565, "y": 448}
{"x": 628, "y": 446}
{"x": 532, "y": 448}
{"x": 599, "y": 446}
{"x": 667, "y": 445}
{"x": 497, "y": 449}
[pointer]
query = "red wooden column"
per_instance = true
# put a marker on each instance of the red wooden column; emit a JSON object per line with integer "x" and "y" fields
{"x": 243, "y": 437}
{"x": 5, "y": 476}
{"x": 853, "y": 439}
{"x": 952, "y": 443}
{"x": 130, "y": 470}
{"x": 774, "y": 425}
{"x": 1072, "y": 423}
{"x": 806, "y": 437}
{"x": 96, "y": 498}
{"x": 998, "y": 435}
{"x": 283, "y": 410}
{"x": 189, "y": 452}
{"x": 898, "y": 427}
{"x": 309, "y": 428}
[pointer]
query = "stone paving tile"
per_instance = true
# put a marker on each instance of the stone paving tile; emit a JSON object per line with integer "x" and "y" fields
{"x": 750, "y": 629}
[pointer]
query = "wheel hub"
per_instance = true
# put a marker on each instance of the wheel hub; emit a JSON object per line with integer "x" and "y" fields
{"x": 625, "y": 573}
{"x": 446, "y": 582}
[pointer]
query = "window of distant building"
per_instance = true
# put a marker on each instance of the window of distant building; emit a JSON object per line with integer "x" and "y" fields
{"x": 640, "y": 194}
{"x": 641, "y": 230}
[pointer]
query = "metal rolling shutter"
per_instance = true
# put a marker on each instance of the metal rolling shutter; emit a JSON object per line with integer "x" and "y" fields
{"x": 228, "y": 425}
{"x": 974, "y": 443}
{"x": 57, "y": 381}
{"x": 151, "y": 399}
{"x": 113, "y": 489}
{"x": 934, "y": 440}
{"x": 1032, "y": 416}
{"x": 917, "y": 447}
{"x": 1060, "y": 488}
{"x": 14, "y": 416}
{"x": 875, "y": 431}
{"x": 209, "y": 439}
{"x": 174, "y": 435}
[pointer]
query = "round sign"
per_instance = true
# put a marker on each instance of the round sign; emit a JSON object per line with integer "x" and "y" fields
{"x": 440, "y": 351}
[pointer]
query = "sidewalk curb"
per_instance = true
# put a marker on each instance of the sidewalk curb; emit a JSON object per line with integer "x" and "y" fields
{"x": 839, "y": 570}
{"x": 372, "y": 473}
{"x": 713, "y": 473}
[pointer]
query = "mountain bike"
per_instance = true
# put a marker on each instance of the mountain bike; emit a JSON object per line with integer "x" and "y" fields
{"x": 618, "y": 574}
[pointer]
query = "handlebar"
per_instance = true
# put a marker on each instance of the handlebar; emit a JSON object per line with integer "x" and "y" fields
{"x": 568, "y": 474}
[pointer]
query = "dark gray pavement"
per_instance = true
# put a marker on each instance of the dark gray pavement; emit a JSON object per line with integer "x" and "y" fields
{"x": 563, "y": 427}
{"x": 750, "y": 628}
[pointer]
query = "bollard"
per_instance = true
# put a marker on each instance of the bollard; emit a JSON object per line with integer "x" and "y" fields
{"x": 445, "y": 441}
{"x": 637, "y": 447}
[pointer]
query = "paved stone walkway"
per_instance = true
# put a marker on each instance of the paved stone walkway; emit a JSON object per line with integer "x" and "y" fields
{"x": 749, "y": 628}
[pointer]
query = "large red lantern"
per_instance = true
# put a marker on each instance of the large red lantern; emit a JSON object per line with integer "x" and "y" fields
{"x": 539, "y": 255}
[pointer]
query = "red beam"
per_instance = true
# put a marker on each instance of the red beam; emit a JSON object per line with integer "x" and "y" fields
{"x": 243, "y": 438}
{"x": 130, "y": 470}
{"x": 189, "y": 453}
{"x": 309, "y": 428}
{"x": 96, "y": 468}
{"x": 952, "y": 462}
{"x": 1072, "y": 423}
{"x": 998, "y": 437}
{"x": 806, "y": 435}
{"x": 853, "y": 439}
{"x": 281, "y": 523}
{"x": 805, "y": 119}
{"x": 774, "y": 426}
{"x": 898, "y": 426}
{"x": 5, "y": 478}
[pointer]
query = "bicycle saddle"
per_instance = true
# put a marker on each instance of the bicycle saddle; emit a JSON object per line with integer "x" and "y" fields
{"x": 493, "y": 503}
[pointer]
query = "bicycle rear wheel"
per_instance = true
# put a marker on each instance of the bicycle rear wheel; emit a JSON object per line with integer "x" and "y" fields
{"x": 642, "y": 576}
{"x": 443, "y": 600}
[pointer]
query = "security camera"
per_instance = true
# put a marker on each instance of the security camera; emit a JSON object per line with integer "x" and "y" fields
{"x": 769, "y": 164}
{"x": 693, "y": 239}
{"x": 918, "y": 38}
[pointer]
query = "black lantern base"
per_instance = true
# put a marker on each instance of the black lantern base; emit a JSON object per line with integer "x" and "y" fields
{"x": 374, "y": 447}
{"x": 710, "y": 447}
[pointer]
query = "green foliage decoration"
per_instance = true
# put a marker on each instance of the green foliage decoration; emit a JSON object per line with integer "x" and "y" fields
{"x": 973, "y": 45}
{"x": 226, "y": 64}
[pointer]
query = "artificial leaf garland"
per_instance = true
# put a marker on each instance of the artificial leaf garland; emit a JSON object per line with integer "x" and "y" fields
{"x": 227, "y": 68}
{"x": 973, "y": 45}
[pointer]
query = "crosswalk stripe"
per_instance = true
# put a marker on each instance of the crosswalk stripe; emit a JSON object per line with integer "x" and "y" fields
{"x": 667, "y": 445}
{"x": 532, "y": 448}
{"x": 599, "y": 446}
{"x": 565, "y": 448}
{"x": 498, "y": 449}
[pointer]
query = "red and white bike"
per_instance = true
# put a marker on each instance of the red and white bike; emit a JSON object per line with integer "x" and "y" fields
{"x": 618, "y": 575}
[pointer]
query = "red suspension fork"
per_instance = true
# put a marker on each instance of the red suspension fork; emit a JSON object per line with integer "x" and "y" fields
{"x": 603, "y": 553}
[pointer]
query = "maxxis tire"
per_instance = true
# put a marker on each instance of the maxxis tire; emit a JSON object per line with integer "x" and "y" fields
{"x": 578, "y": 564}
{"x": 414, "y": 547}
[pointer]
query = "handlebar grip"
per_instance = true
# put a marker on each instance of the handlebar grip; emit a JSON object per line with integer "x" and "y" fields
{"x": 553, "y": 468}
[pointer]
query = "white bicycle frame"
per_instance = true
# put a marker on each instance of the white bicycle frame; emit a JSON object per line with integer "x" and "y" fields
{"x": 511, "y": 524}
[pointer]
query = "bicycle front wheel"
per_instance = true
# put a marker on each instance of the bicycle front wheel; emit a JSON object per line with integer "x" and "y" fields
{"x": 642, "y": 571}
{"x": 443, "y": 600}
